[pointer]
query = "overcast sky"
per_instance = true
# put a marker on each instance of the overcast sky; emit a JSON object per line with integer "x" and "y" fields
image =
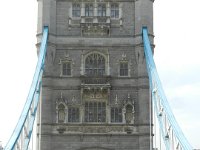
{"x": 177, "y": 52}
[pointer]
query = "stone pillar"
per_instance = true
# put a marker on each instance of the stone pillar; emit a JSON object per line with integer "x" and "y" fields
{"x": 82, "y": 9}
{"x": 143, "y": 15}
{"x": 120, "y": 11}
{"x": 95, "y": 20}
{"x": 108, "y": 9}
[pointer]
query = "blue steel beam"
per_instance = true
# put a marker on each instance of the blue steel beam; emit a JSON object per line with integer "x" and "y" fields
{"x": 155, "y": 84}
{"x": 27, "y": 115}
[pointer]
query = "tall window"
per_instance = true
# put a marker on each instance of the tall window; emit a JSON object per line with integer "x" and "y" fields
{"x": 61, "y": 113}
{"x": 95, "y": 112}
{"x": 66, "y": 68}
{"x": 102, "y": 10}
{"x": 73, "y": 114}
{"x": 114, "y": 11}
{"x": 123, "y": 68}
{"x": 76, "y": 10}
{"x": 95, "y": 65}
{"x": 88, "y": 10}
{"x": 116, "y": 115}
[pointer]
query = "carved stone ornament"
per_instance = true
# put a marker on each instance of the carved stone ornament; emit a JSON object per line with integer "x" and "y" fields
{"x": 61, "y": 100}
{"x": 61, "y": 129}
{"x": 95, "y": 30}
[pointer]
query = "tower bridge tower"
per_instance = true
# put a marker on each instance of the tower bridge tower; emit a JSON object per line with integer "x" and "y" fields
{"x": 95, "y": 89}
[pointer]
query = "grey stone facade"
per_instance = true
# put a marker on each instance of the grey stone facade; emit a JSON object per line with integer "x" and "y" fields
{"x": 78, "y": 111}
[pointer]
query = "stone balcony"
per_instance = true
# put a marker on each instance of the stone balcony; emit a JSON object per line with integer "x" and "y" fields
{"x": 95, "y": 26}
{"x": 90, "y": 82}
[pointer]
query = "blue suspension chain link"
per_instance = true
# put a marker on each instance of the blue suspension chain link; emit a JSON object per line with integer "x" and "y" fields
{"x": 155, "y": 84}
{"x": 28, "y": 116}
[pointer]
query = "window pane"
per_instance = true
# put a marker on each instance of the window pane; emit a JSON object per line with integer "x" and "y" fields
{"x": 114, "y": 11}
{"x": 76, "y": 10}
{"x": 116, "y": 115}
{"x": 73, "y": 114}
{"x": 95, "y": 65}
{"x": 95, "y": 112}
{"x": 66, "y": 68}
{"x": 88, "y": 10}
{"x": 123, "y": 68}
{"x": 101, "y": 10}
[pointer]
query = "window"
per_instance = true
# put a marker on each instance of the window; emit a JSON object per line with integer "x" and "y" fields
{"x": 116, "y": 115}
{"x": 114, "y": 11}
{"x": 123, "y": 68}
{"x": 88, "y": 10}
{"x": 76, "y": 10}
{"x": 61, "y": 113}
{"x": 95, "y": 112}
{"x": 95, "y": 65}
{"x": 66, "y": 68}
{"x": 73, "y": 114}
{"x": 101, "y": 10}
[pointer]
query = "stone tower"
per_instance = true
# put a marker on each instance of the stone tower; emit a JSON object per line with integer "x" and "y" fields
{"x": 95, "y": 90}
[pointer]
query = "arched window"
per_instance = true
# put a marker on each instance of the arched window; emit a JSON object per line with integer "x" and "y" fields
{"x": 95, "y": 65}
{"x": 61, "y": 113}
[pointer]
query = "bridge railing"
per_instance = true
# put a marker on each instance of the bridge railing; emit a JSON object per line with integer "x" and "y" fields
{"x": 21, "y": 135}
{"x": 171, "y": 132}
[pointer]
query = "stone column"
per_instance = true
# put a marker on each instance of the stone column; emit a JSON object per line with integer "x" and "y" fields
{"x": 95, "y": 20}
{"x": 82, "y": 9}
{"x": 108, "y": 9}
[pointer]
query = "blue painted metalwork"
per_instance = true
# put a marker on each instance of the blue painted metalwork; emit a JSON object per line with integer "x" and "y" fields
{"x": 22, "y": 133}
{"x": 170, "y": 130}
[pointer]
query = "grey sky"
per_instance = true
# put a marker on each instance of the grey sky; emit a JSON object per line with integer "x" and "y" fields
{"x": 177, "y": 53}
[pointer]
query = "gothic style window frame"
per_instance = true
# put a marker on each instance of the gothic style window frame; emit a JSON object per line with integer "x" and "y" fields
{"x": 123, "y": 72}
{"x": 66, "y": 68}
{"x": 89, "y": 10}
{"x": 62, "y": 64}
{"x": 114, "y": 11}
{"x": 116, "y": 115}
{"x": 95, "y": 64}
{"x": 76, "y": 10}
{"x": 61, "y": 102}
{"x": 101, "y": 11}
{"x": 95, "y": 112}
{"x": 73, "y": 114}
